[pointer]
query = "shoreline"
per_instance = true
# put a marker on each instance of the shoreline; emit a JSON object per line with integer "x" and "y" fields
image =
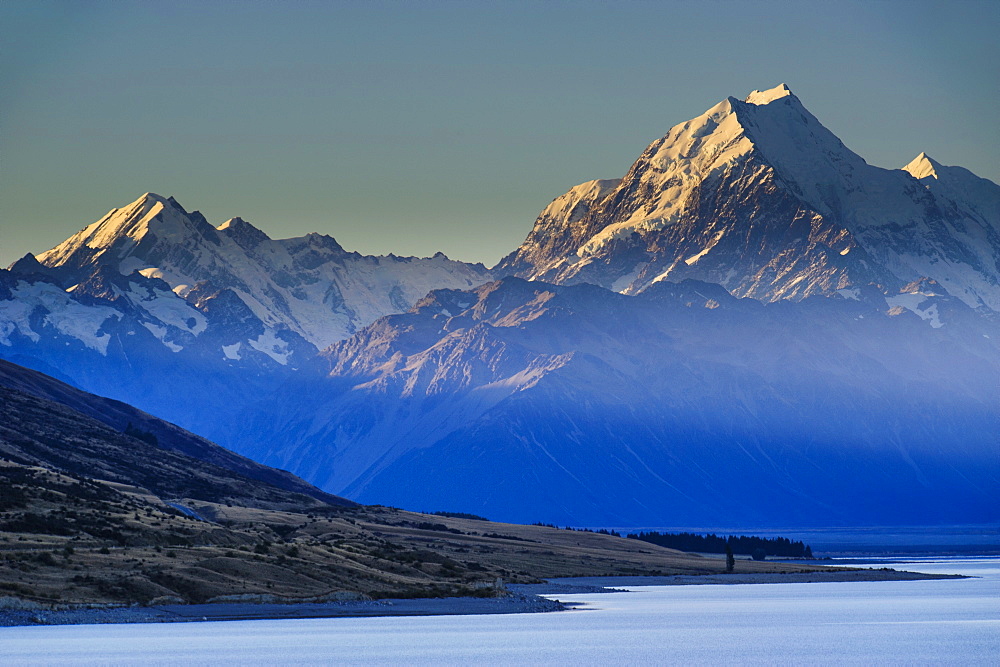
{"x": 614, "y": 584}
{"x": 243, "y": 611}
{"x": 523, "y": 599}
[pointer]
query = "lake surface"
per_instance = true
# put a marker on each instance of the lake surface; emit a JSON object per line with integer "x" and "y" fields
{"x": 946, "y": 621}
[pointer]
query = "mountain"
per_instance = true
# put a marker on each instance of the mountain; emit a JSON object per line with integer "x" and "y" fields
{"x": 759, "y": 197}
{"x": 753, "y": 326}
{"x": 51, "y": 424}
{"x": 152, "y": 298}
{"x": 307, "y": 287}
{"x": 680, "y": 406}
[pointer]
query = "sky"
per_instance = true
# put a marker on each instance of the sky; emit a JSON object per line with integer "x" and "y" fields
{"x": 417, "y": 127}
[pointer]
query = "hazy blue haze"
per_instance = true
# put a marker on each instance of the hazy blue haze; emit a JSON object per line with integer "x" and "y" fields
{"x": 913, "y": 622}
{"x": 416, "y": 127}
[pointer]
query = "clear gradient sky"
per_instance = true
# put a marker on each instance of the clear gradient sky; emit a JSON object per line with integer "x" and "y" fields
{"x": 413, "y": 127}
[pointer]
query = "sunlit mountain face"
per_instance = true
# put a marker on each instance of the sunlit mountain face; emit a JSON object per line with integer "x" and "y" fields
{"x": 753, "y": 326}
{"x": 760, "y": 198}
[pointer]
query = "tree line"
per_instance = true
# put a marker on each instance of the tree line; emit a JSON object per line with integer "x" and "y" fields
{"x": 716, "y": 544}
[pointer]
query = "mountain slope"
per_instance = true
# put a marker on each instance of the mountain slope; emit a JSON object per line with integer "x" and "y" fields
{"x": 48, "y": 423}
{"x": 758, "y": 196}
{"x": 679, "y": 406}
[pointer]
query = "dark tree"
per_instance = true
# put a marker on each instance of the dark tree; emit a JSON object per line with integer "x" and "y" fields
{"x": 716, "y": 544}
{"x": 759, "y": 554}
{"x": 730, "y": 559}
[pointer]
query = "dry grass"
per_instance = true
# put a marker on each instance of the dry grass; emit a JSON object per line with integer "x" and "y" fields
{"x": 144, "y": 550}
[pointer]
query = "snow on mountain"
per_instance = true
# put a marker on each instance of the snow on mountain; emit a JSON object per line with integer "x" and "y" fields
{"x": 758, "y": 196}
{"x": 53, "y": 307}
{"x": 922, "y": 167}
{"x": 308, "y": 286}
{"x": 760, "y": 97}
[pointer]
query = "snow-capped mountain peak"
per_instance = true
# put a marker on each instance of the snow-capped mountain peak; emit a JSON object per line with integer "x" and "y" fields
{"x": 117, "y": 234}
{"x": 760, "y": 197}
{"x": 243, "y": 233}
{"x": 238, "y": 224}
{"x": 759, "y": 97}
{"x": 959, "y": 190}
{"x": 922, "y": 167}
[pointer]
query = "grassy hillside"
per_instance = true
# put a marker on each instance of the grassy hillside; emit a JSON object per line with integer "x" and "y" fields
{"x": 68, "y": 539}
{"x": 93, "y": 514}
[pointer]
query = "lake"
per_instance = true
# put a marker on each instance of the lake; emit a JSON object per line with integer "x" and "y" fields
{"x": 944, "y": 621}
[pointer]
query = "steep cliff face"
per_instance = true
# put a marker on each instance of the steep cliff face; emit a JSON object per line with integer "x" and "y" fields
{"x": 559, "y": 229}
{"x": 758, "y": 196}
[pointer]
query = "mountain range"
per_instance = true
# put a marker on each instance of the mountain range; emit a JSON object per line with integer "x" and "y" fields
{"x": 752, "y": 327}
{"x": 151, "y": 298}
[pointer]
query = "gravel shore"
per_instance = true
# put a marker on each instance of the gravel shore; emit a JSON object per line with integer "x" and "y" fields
{"x": 516, "y": 603}
{"x": 524, "y": 599}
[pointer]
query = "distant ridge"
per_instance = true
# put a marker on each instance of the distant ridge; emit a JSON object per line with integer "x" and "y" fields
{"x": 307, "y": 287}
{"x": 681, "y": 405}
